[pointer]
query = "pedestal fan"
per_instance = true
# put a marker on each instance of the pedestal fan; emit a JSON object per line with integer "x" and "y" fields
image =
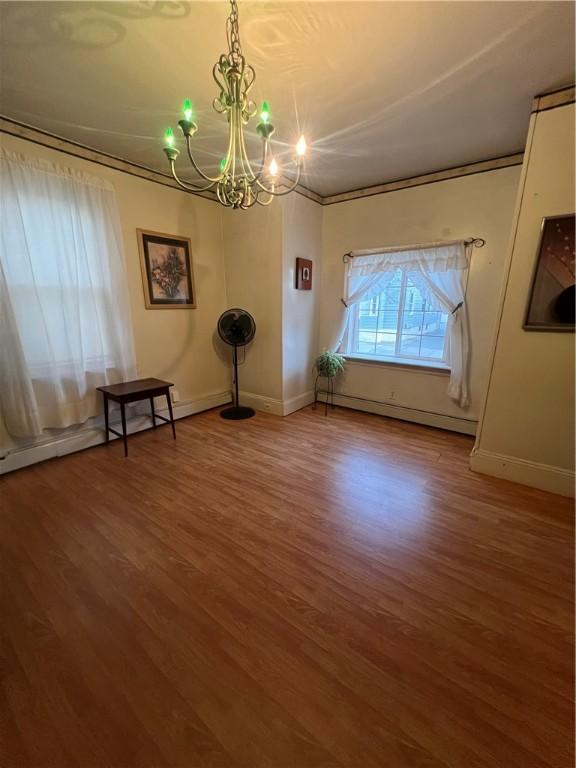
{"x": 237, "y": 328}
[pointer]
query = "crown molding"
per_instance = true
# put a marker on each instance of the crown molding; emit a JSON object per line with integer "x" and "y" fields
{"x": 68, "y": 147}
{"x": 557, "y": 98}
{"x": 53, "y": 141}
{"x": 74, "y": 148}
{"x": 469, "y": 169}
{"x": 310, "y": 194}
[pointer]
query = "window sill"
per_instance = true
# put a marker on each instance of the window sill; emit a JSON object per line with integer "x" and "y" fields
{"x": 424, "y": 366}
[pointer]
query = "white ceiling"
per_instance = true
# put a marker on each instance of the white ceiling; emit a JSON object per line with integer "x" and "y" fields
{"x": 382, "y": 90}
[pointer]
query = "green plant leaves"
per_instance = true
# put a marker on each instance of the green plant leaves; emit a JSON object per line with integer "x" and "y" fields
{"x": 329, "y": 364}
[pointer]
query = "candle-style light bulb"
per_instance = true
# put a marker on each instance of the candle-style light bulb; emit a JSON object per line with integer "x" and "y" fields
{"x": 301, "y": 147}
{"x": 273, "y": 167}
{"x": 265, "y": 112}
{"x": 169, "y": 137}
{"x": 187, "y": 109}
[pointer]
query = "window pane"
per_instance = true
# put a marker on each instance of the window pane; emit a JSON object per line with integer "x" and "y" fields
{"x": 412, "y": 322}
{"x": 366, "y": 341}
{"x": 386, "y": 343}
{"x": 367, "y": 323}
{"x": 388, "y": 320}
{"x": 365, "y": 348}
{"x": 434, "y": 323}
{"x": 410, "y": 346}
{"x": 414, "y": 301}
{"x": 432, "y": 346}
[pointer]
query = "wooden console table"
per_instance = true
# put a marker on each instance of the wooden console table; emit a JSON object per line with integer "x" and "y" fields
{"x": 131, "y": 392}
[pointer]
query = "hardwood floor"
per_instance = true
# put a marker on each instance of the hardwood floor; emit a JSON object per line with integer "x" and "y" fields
{"x": 300, "y": 592}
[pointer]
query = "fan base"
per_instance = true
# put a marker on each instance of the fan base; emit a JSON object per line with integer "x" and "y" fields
{"x": 237, "y": 412}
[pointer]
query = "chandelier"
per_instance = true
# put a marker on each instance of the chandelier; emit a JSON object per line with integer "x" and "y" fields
{"x": 239, "y": 184}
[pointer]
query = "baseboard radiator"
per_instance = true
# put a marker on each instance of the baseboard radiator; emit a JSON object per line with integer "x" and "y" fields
{"x": 92, "y": 433}
{"x": 404, "y": 413}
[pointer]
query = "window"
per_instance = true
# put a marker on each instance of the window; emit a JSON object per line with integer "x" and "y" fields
{"x": 407, "y": 304}
{"x": 403, "y": 322}
{"x": 64, "y": 314}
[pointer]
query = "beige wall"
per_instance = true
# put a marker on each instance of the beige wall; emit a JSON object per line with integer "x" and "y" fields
{"x": 253, "y": 258}
{"x": 260, "y": 250}
{"x": 302, "y": 238}
{"x": 481, "y": 205}
{"x": 172, "y": 344}
{"x": 527, "y": 431}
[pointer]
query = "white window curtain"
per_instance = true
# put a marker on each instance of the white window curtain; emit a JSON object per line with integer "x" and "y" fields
{"x": 440, "y": 270}
{"x": 65, "y": 325}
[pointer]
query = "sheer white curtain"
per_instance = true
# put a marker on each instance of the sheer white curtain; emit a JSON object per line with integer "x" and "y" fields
{"x": 362, "y": 283}
{"x": 65, "y": 324}
{"x": 440, "y": 271}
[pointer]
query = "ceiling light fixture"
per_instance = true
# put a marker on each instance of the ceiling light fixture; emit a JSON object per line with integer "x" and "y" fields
{"x": 237, "y": 185}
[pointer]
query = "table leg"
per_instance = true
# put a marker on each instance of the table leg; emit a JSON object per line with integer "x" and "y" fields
{"x": 106, "y": 424}
{"x": 124, "y": 435}
{"x": 169, "y": 401}
{"x": 153, "y": 414}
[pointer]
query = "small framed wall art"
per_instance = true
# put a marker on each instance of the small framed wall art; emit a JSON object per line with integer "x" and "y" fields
{"x": 304, "y": 274}
{"x": 551, "y": 299}
{"x": 166, "y": 263}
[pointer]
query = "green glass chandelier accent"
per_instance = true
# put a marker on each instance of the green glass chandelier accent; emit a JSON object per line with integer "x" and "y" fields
{"x": 238, "y": 184}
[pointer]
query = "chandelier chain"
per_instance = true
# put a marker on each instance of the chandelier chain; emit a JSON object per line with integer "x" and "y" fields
{"x": 233, "y": 32}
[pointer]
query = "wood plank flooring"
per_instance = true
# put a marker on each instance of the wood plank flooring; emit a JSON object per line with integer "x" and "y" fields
{"x": 306, "y": 592}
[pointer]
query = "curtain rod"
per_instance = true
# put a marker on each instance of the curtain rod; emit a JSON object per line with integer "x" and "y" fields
{"x": 476, "y": 242}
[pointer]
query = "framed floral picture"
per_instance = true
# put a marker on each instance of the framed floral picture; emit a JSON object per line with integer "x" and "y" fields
{"x": 166, "y": 263}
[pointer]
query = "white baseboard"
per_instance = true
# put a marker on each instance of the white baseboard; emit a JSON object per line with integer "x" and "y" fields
{"x": 90, "y": 435}
{"x": 261, "y": 403}
{"x": 441, "y": 421}
{"x": 543, "y": 476}
{"x": 274, "y": 405}
{"x": 297, "y": 403}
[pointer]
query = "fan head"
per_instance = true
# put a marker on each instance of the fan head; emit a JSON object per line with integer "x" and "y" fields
{"x": 236, "y": 327}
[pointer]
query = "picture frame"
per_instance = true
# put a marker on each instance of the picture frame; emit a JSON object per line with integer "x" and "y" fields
{"x": 167, "y": 271}
{"x": 304, "y": 274}
{"x": 550, "y": 305}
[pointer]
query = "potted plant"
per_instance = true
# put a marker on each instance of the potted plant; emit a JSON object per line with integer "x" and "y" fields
{"x": 328, "y": 365}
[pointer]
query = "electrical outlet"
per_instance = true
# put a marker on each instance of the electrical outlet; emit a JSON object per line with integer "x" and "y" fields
{"x": 174, "y": 394}
{"x": 392, "y": 395}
